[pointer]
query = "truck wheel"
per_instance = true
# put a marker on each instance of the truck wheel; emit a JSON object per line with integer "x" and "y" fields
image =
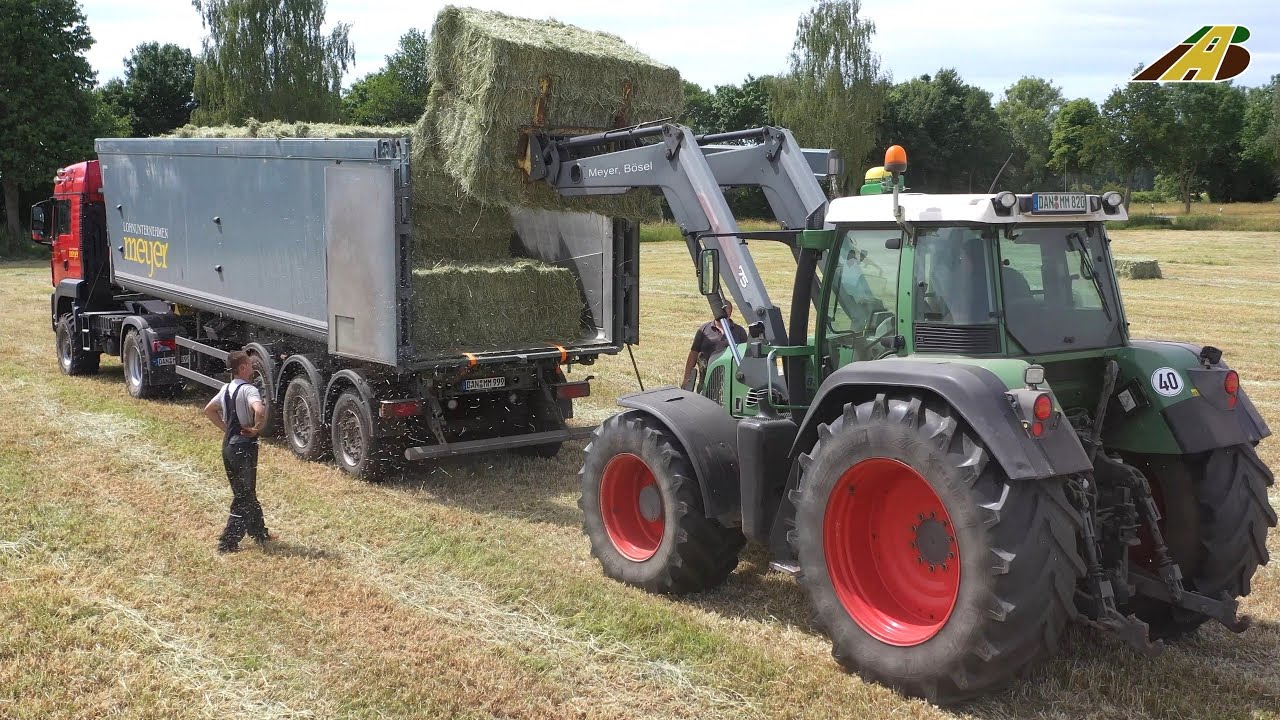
{"x": 355, "y": 448}
{"x": 265, "y": 383}
{"x": 1215, "y": 521}
{"x": 71, "y": 358}
{"x": 642, "y": 511}
{"x": 133, "y": 356}
{"x": 302, "y": 418}
{"x": 930, "y": 570}
{"x": 548, "y": 418}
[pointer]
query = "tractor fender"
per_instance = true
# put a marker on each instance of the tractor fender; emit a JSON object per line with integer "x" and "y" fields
{"x": 977, "y": 394}
{"x": 709, "y": 436}
{"x": 1204, "y": 422}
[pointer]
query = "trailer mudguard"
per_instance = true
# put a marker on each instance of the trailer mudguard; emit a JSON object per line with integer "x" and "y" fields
{"x": 352, "y": 378}
{"x": 1204, "y": 421}
{"x": 708, "y": 435}
{"x": 974, "y": 392}
{"x": 301, "y": 365}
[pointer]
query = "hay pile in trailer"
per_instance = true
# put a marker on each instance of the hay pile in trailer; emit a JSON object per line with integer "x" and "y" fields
{"x": 277, "y": 129}
{"x": 476, "y": 307}
{"x": 496, "y": 77}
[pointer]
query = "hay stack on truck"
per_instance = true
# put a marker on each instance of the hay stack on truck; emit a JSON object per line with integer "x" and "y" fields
{"x": 967, "y": 453}
{"x": 172, "y": 252}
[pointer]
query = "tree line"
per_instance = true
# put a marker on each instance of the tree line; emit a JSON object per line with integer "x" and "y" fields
{"x": 270, "y": 60}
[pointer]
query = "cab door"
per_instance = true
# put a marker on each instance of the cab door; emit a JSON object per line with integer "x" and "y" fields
{"x": 65, "y": 228}
{"x": 860, "y": 299}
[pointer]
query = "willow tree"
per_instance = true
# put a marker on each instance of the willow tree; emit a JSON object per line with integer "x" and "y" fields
{"x": 269, "y": 59}
{"x": 833, "y": 94}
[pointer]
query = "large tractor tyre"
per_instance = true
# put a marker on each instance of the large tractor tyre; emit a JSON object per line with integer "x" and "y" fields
{"x": 302, "y": 419}
{"x": 642, "y": 511}
{"x": 265, "y": 383}
{"x": 71, "y": 359}
{"x": 355, "y": 448}
{"x": 1215, "y": 521}
{"x": 133, "y": 356}
{"x": 930, "y": 570}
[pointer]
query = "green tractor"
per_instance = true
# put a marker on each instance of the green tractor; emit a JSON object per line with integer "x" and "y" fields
{"x": 961, "y": 453}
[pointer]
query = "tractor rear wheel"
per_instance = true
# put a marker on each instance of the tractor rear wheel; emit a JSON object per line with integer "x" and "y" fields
{"x": 642, "y": 511}
{"x": 1215, "y": 521}
{"x": 930, "y": 570}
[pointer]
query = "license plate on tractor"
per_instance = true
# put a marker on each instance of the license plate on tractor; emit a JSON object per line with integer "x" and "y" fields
{"x": 491, "y": 383}
{"x": 1060, "y": 203}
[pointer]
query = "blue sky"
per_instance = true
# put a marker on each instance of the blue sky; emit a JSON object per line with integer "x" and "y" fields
{"x": 1085, "y": 47}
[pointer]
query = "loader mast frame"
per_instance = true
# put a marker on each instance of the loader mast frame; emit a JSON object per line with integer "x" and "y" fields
{"x": 690, "y": 171}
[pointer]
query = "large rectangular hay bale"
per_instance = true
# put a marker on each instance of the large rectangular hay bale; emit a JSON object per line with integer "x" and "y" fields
{"x": 1138, "y": 268}
{"x": 494, "y": 306}
{"x": 489, "y": 71}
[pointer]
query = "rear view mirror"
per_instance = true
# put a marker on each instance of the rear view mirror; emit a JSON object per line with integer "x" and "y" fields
{"x": 709, "y": 272}
{"x": 39, "y": 224}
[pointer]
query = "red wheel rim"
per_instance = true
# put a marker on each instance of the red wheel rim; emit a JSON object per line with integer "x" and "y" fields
{"x": 631, "y": 506}
{"x": 891, "y": 552}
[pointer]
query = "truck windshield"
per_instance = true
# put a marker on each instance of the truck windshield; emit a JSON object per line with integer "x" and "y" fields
{"x": 1058, "y": 294}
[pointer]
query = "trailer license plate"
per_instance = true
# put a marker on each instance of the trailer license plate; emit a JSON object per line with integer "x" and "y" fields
{"x": 492, "y": 383}
{"x": 1065, "y": 203}
{"x": 170, "y": 360}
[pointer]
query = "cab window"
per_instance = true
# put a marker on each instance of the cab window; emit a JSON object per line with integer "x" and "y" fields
{"x": 953, "y": 277}
{"x": 861, "y": 312}
{"x": 61, "y": 217}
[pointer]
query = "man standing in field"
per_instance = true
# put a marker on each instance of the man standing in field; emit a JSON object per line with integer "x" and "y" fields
{"x": 708, "y": 342}
{"x": 238, "y": 412}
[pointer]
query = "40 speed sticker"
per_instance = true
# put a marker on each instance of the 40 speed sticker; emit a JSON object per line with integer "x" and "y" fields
{"x": 1166, "y": 381}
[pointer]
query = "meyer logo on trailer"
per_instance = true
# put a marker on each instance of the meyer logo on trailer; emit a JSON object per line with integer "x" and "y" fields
{"x": 151, "y": 253}
{"x": 1212, "y": 54}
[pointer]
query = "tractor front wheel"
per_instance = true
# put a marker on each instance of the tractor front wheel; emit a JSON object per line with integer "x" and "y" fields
{"x": 930, "y": 570}
{"x": 642, "y": 511}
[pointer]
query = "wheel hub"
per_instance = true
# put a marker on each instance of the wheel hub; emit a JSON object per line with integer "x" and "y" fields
{"x": 631, "y": 507}
{"x": 650, "y": 503}
{"x": 891, "y": 552}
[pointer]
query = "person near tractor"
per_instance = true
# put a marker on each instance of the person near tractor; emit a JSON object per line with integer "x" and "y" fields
{"x": 708, "y": 342}
{"x": 237, "y": 410}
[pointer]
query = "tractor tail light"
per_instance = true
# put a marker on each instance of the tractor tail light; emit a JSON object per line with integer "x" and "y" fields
{"x": 573, "y": 390}
{"x": 399, "y": 408}
{"x": 1042, "y": 408}
{"x": 1231, "y": 383}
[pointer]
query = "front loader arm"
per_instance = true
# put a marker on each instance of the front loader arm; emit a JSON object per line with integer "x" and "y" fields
{"x": 690, "y": 179}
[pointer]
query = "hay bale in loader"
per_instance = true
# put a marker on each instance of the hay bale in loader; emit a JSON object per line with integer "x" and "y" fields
{"x": 497, "y": 78}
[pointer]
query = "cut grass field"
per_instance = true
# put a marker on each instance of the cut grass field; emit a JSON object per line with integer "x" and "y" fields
{"x": 465, "y": 589}
{"x": 1259, "y": 217}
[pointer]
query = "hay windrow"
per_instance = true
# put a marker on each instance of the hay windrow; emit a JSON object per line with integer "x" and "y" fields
{"x": 479, "y": 307}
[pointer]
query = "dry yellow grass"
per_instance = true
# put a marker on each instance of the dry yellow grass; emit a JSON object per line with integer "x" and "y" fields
{"x": 465, "y": 589}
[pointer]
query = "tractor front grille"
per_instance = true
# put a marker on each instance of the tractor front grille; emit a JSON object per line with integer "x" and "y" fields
{"x": 958, "y": 339}
{"x": 714, "y": 386}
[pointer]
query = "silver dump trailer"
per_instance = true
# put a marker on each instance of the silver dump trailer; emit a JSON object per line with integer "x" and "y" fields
{"x": 301, "y": 252}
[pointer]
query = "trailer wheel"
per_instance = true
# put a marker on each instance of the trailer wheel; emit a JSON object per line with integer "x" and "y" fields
{"x": 1215, "y": 521}
{"x": 133, "y": 356}
{"x": 302, "y": 418}
{"x": 930, "y": 570}
{"x": 355, "y": 448}
{"x": 71, "y": 359}
{"x": 265, "y": 383}
{"x": 642, "y": 511}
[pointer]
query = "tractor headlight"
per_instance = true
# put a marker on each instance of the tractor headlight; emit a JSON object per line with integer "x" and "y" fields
{"x": 1006, "y": 200}
{"x": 1033, "y": 375}
{"x": 1112, "y": 199}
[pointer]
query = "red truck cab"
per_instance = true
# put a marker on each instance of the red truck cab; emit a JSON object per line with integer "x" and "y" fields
{"x": 61, "y": 221}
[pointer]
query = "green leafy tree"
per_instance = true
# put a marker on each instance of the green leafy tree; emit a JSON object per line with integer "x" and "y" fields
{"x": 1207, "y": 121}
{"x": 45, "y": 96}
{"x": 158, "y": 88}
{"x": 1136, "y": 120}
{"x": 1027, "y": 112}
{"x": 1257, "y": 173}
{"x": 1079, "y": 144}
{"x": 396, "y": 94}
{"x": 738, "y": 107}
{"x": 270, "y": 60}
{"x": 699, "y": 108}
{"x": 833, "y": 93}
{"x": 953, "y": 137}
{"x": 110, "y": 111}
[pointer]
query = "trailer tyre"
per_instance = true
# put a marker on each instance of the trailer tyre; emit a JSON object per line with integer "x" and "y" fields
{"x": 133, "y": 356}
{"x": 355, "y": 448}
{"x": 1216, "y": 518}
{"x": 71, "y": 359}
{"x": 265, "y": 383}
{"x": 642, "y": 511}
{"x": 302, "y": 418}
{"x": 929, "y": 569}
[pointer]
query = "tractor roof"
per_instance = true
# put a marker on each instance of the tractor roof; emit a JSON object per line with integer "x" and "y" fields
{"x": 976, "y": 209}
